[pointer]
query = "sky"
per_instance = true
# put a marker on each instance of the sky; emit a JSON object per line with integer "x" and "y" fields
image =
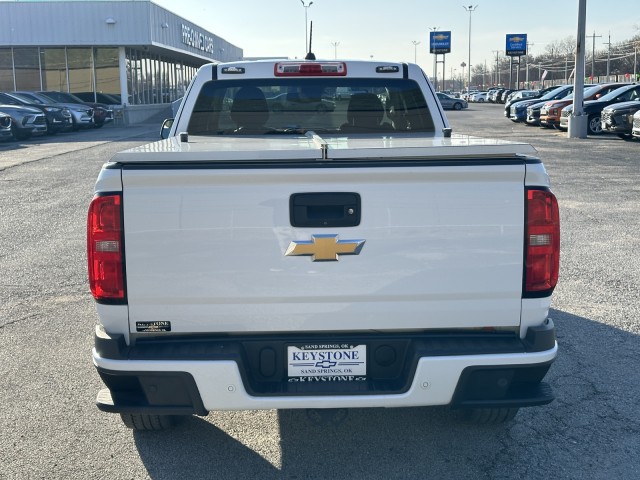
{"x": 387, "y": 29}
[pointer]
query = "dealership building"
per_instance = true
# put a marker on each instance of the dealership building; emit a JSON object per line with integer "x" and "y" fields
{"x": 140, "y": 54}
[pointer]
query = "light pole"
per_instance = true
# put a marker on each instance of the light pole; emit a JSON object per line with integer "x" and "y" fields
{"x": 435, "y": 62}
{"x": 463, "y": 65}
{"x": 497, "y": 52}
{"x": 470, "y": 9}
{"x": 335, "y": 49}
{"x": 415, "y": 50}
{"x": 306, "y": 26}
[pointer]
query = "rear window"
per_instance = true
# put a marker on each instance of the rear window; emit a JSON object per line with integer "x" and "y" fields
{"x": 296, "y": 106}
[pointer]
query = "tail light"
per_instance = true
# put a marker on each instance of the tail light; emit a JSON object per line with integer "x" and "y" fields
{"x": 105, "y": 252}
{"x": 542, "y": 244}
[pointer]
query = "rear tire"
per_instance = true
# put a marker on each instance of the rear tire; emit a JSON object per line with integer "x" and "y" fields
{"x": 488, "y": 416}
{"x": 144, "y": 422}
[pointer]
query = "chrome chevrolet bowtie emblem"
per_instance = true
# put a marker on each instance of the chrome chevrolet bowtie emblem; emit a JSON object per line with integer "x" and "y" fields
{"x": 324, "y": 248}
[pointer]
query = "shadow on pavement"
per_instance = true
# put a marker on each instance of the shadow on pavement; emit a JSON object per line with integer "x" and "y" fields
{"x": 592, "y": 430}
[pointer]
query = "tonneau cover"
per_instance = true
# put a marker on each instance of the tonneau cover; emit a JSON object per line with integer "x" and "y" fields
{"x": 314, "y": 147}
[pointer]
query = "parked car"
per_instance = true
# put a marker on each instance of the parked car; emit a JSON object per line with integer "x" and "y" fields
{"x": 479, "y": 97}
{"x": 539, "y": 94}
{"x": 550, "y": 112}
{"x": 594, "y": 108}
{"x": 102, "y": 114}
{"x": 523, "y": 94}
{"x": 491, "y": 92}
{"x": 504, "y": 95}
{"x": 5, "y": 127}
{"x": 98, "y": 97}
{"x": 449, "y": 102}
{"x": 533, "y": 113}
{"x": 81, "y": 115}
{"x": 25, "y": 121}
{"x": 518, "y": 110}
{"x": 345, "y": 93}
{"x": 495, "y": 95}
{"x": 294, "y": 101}
{"x": 618, "y": 118}
{"x": 57, "y": 118}
{"x": 635, "y": 130}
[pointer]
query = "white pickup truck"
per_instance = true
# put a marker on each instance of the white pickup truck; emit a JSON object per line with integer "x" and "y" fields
{"x": 339, "y": 253}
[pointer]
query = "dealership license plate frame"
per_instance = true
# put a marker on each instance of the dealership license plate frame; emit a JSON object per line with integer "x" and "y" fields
{"x": 327, "y": 361}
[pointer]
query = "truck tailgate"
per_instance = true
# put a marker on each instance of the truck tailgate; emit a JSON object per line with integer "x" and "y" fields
{"x": 443, "y": 247}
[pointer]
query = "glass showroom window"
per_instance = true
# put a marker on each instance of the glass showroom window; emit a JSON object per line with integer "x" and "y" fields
{"x": 54, "y": 69}
{"x": 80, "y": 69}
{"x": 6, "y": 70}
{"x": 27, "y": 68}
{"x": 107, "y": 70}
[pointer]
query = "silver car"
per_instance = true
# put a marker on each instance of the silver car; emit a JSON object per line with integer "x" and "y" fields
{"x": 82, "y": 115}
{"x": 449, "y": 102}
{"x": 5, "y": 127}
{"x": 25, "y": 121}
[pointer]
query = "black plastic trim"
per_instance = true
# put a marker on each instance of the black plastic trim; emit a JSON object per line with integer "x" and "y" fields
{"x": 503, "y": 386}
{"x": 325, "y": 209}
{"x": 392, "y": 357}
{"x": 302, "y": 164}
{"x": 540, "y": 338}
{"x": 160, "y": 393}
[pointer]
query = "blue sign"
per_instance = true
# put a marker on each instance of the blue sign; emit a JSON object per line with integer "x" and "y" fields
{"x": 516, "y": 45}
{"x": 440, "y": 42}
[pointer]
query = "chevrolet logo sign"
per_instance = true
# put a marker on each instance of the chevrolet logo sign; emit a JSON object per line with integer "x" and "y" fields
{"x": 516, "y": 39}
{"x": 324, "y": 248}
{"x": 440, "y": 37}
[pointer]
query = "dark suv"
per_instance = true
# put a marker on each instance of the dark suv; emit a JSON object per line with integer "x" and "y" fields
{"x": 58, "y": 117}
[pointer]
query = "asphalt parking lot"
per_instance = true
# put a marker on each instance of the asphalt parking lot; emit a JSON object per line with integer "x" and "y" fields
{"x": 51, "y": 428}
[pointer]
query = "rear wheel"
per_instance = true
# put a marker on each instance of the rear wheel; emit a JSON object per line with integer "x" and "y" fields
{"x": 144, "y": 422}
{"x": 488, "y": 416}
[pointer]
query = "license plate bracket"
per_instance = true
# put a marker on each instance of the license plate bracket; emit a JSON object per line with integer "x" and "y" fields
{"x": 327, "y": 362}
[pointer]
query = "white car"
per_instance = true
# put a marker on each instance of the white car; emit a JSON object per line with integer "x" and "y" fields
{"x": 635, "y": 131}
{"x": 479, "y": 97}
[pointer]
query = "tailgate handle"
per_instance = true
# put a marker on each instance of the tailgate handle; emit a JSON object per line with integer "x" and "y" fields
{"x": 325, "y": 209}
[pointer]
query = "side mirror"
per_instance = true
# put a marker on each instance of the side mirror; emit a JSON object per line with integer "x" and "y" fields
{"x": 166, "y": 128}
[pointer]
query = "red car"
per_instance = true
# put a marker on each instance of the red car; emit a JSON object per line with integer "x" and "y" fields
{"x": 550, "y": 112}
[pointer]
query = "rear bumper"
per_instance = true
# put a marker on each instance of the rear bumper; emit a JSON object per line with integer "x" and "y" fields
{"x": 194, "y": 376}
